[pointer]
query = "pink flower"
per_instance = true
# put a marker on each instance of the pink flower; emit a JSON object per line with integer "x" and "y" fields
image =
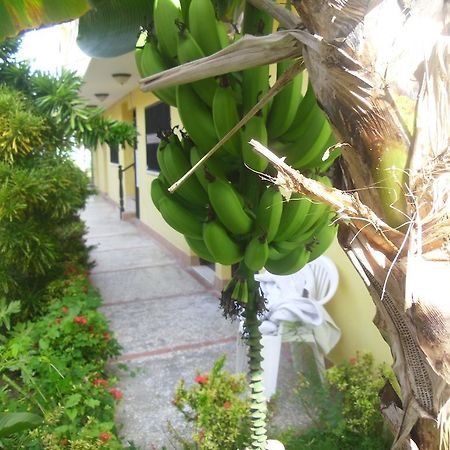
{"x": 80, "y": 320}
{"x": 201, "y": 379}
{"x": 116, "y": 393}
{"x": 227, "y": 405}
{"x": 104, "y": 436}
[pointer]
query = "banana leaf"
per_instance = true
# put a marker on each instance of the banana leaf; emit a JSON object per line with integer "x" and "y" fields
{"x": 110, "y": 29}
{"x": 18, "y": 15}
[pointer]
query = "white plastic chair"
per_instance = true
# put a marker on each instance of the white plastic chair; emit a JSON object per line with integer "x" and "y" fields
{"x": 320, "y": 279}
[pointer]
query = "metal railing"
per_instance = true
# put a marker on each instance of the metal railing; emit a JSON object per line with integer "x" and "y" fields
{"x": 121, "y": 171}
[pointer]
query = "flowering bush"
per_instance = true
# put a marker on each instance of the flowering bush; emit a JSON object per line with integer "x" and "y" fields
{"x": 55, "y": 367}
{"x": 218, "y": 409}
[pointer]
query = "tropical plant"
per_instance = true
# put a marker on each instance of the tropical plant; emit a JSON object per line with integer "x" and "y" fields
{"x": 344, "y": 409}
{"x": 218, "y": 409}
{"x": 385, "y": 92}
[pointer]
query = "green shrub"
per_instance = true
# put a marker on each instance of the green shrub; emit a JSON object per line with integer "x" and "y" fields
{"x": 217, "y": 408}
{"x": 344, "y": 410}
{"x": 55, "y": 367}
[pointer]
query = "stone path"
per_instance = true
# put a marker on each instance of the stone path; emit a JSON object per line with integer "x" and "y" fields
{"x": 166, "y": 320}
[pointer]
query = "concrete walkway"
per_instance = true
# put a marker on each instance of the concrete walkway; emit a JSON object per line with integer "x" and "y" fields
{"x": 167, "y": 321}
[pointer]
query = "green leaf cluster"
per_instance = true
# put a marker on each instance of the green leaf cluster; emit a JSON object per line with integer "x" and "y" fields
{"x": 344, "y": 409}
{"x": 55, "y": 368}
{"x": 218, "y": 408}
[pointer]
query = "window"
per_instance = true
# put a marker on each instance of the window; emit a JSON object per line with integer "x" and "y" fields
{"x": 157, "y": 118}
{"x": 114, "y": 153}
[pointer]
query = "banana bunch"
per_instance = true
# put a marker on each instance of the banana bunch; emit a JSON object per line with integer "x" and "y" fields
{"x": 226, "y": 213}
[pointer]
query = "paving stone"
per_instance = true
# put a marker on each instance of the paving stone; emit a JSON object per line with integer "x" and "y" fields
{"x": 144, "y": 284}
{"x": 147, "y": 256}
{"x": 126, "y": 241}
{"x": 168, "y": 323}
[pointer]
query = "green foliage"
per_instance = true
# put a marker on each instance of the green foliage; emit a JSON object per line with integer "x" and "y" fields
{"x": 218, "y": 409}
{"x": 344, "y": 410}
{"x": 55, "y": 367}
{"x": 40, "y": 230}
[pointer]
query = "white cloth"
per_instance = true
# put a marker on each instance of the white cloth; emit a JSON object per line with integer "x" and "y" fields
{"x": 288, "y": 301}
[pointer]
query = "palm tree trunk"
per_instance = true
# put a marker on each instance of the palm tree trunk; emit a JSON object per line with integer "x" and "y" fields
{"x": 381, "y": 71}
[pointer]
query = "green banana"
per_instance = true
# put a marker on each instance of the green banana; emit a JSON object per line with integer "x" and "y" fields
{"x": 176, "y": 164}
{"x": 304, "y": 234}
{"x": 139, "y": 48}
{"x": 228, "y": 205}
{"x": 211, "y": 166}
{"x": 226, "y": 116}
{"x": 204, "y": 25}
{"x": 221, "y": 246}
{"x": 158, "y": 191}
{"x": 289, "y": 264}
{"x": 196, "y": 118}
{"x": 268, "y": 214}
{"x": 285, "y": 104}
{"x": 255, "y": 81}
{"x": 240, "y": 291}
{"x": 321, "y": 240}
{"x": 165, "y": 15}
{"x": 316, "y": 149}
{"x": 307, "y": 103}
{"x": 256, "y": 253}
{"x": 255, "y": 128}
{"x": 151, "y": 63}
{"x": 185, "y": 4}
{"x": 160, "y": 154}
{"x": 319, "y": 163}
{"x": 301, "y": 148}
{"x": 189, "y": 50}
{"x": 294, "y": 214}
{"x": 199, "y": 248}
{"x": 276, "y": 253}
{"x": 180, "y": 218}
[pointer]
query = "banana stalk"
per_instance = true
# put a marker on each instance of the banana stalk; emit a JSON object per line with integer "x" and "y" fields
{"x": 257, "y": 400}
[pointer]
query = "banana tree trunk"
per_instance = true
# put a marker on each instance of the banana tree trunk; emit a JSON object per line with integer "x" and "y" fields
{"x": 380, "y": 70}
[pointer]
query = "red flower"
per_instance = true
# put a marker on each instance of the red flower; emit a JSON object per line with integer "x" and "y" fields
{"x": 201, "y": 379}
{"x": 104, "y": 436}
{"x": 106, "y": 336}
{"x": 100, "y": 382}
{"x": 80, "y": 320}
{"x": 201, "y": 435}
{"x": 227, "y": 405}
{"x": 352, "y": 360}
{"x": 116, "y": 393}
{"x": 65, "y": 310}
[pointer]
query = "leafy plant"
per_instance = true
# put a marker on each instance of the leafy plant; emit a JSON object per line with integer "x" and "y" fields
{"x": 54, "y": 367}
{"x": 344, "y": 409}
{"x": 217, "y": 407}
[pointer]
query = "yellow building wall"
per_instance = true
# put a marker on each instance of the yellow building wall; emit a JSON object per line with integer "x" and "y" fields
{"x": 353, "y": 311}
{"x": 106, "y": 173}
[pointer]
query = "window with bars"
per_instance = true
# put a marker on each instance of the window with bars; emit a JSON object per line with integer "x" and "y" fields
{"x": 157, "y": 119}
